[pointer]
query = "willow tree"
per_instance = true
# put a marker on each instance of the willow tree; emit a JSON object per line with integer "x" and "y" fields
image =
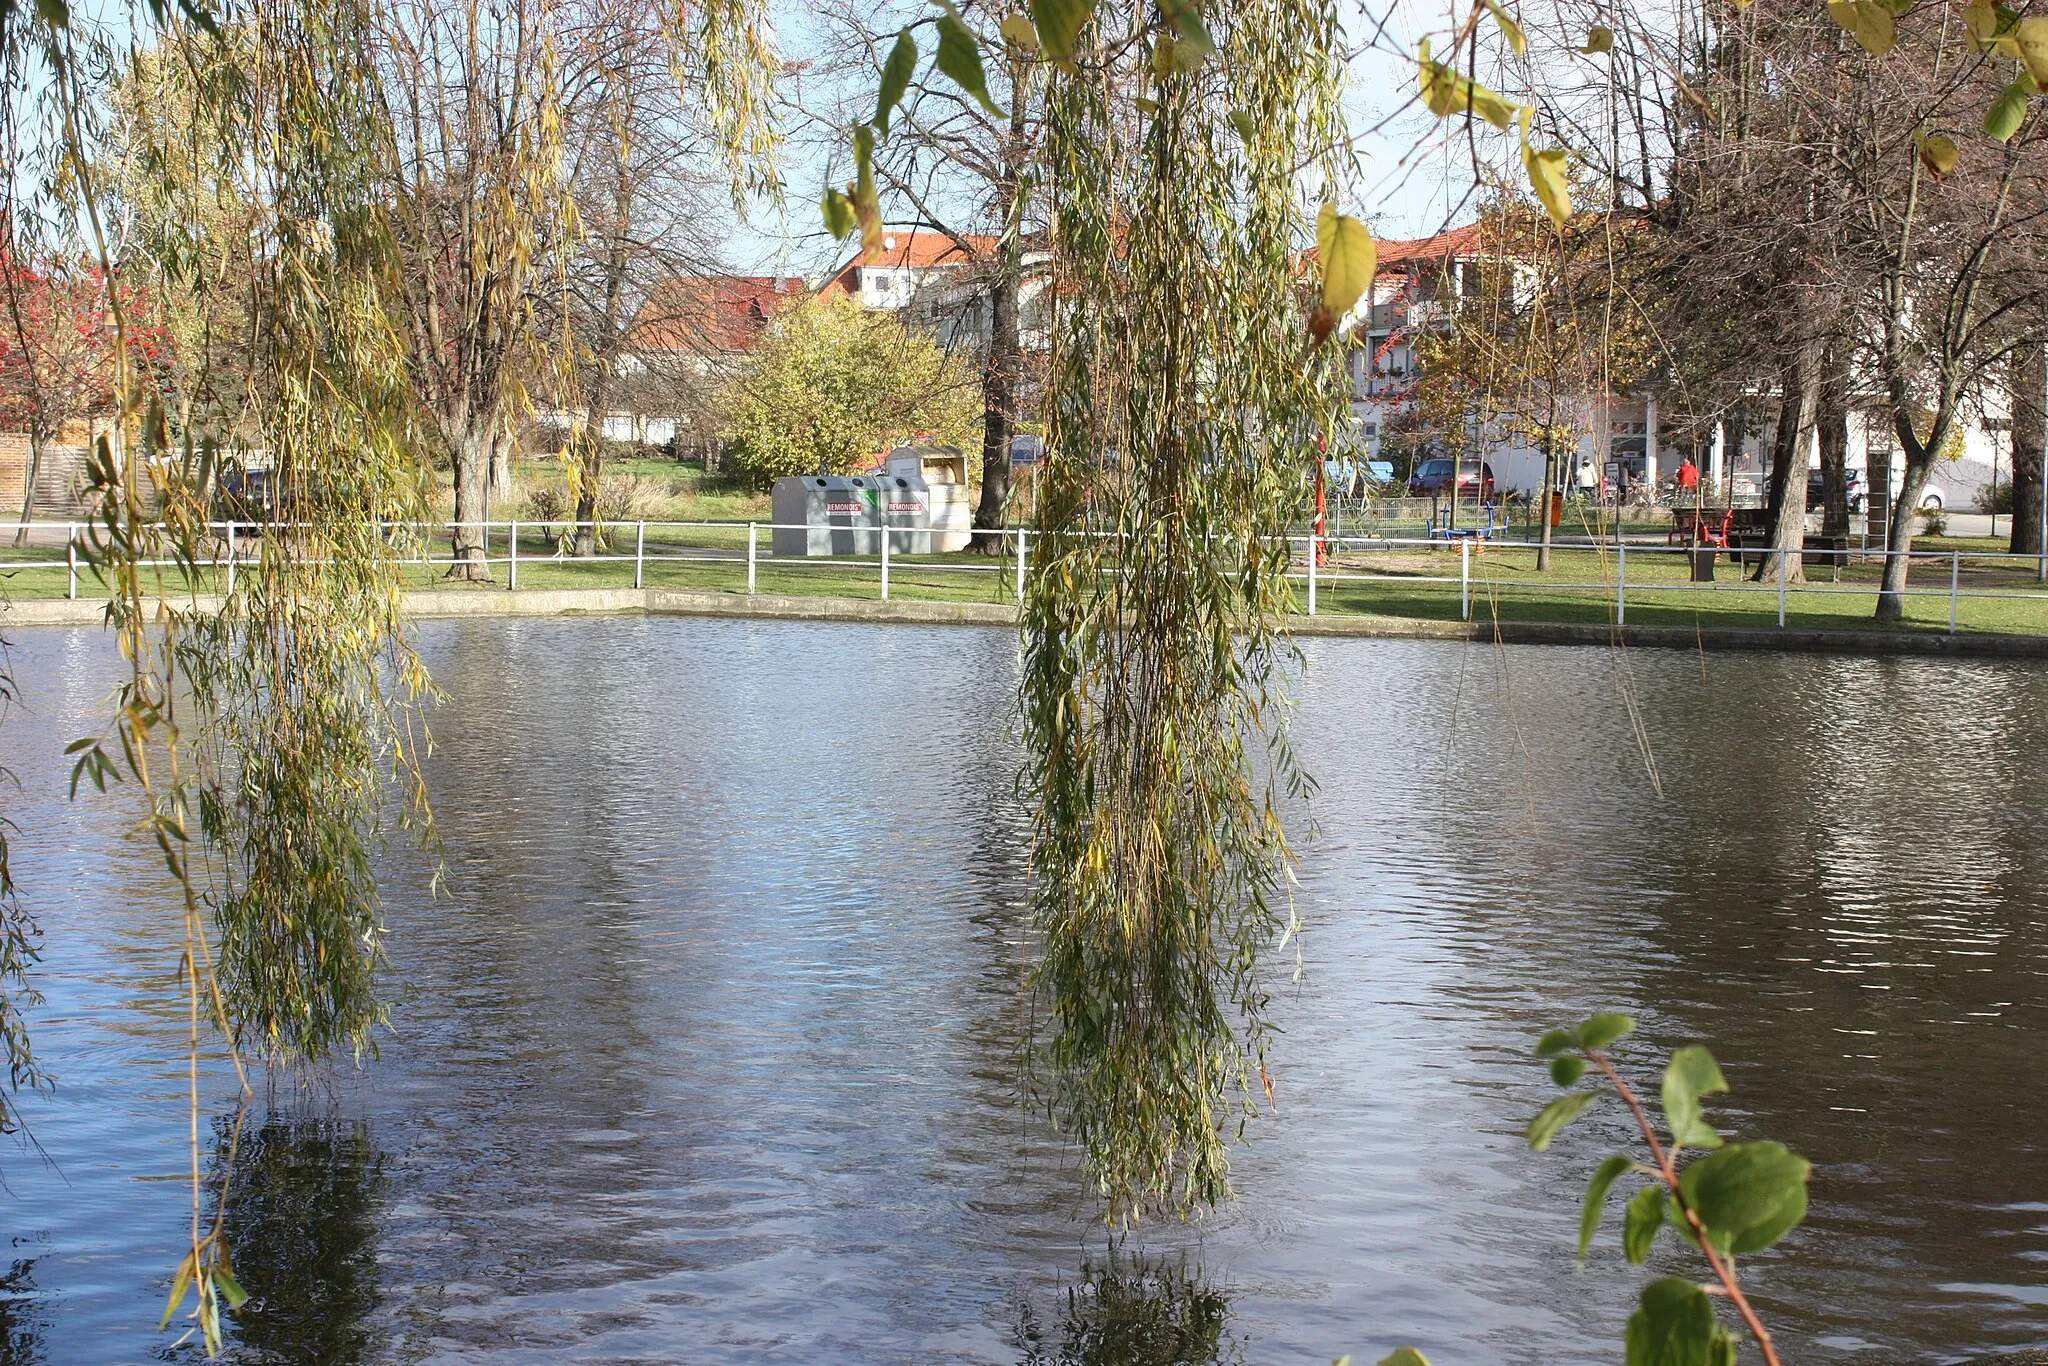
{"x": 1184, "y": 409}
{"x": 261, "y": 728}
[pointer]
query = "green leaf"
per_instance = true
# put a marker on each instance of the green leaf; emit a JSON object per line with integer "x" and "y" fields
{"x": 1445, "y": 92}
{"x": 2009, "y": 110}
{"x": 1173, "y": 56}
{"x": 1550, "y": 178}
{"x": 1517, "y": 40}
{"x": 1599, "y": 39}
{"x": 1404, "y": 1356}
{"x": 55, "y": 13}
{"x": 1059, "y": 25}
{"x": 1868, "y": 22}
{"x": 1602, "y": 1030}
{"x": 230, "y": 1287}
{"x": 1644, "y": 1216}
{"x": 839, "y": 216}
{"x": 1555, "y": 1116}
{"x": 959, "y": 57}
{"x": 2032, "y": 36}
{"x": 1022, "y": 33}
{"x": 178, "y": 1284}
{"x": 867, "y": 203}
{"x": 1245, "y": 125}
{"x": 1937, "y": 153}
{"x": 1187, "y": 22}
{"x": 1566, "y": 1069}
{"x": 1604, "y": 1177}
{"x": 1692, "y": 1073}
{"x": 1556, "y": 1041}
{"x": 1749, "y": 1195}
{"x": 1674, "y": 1325}
{"x": 1349, "y": 258}
{"x": 896, "y": 74}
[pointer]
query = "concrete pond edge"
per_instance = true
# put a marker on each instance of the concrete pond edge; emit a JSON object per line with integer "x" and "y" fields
{"x": 548, "y": 602}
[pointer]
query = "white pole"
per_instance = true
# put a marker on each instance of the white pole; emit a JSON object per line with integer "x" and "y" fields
{"x": 752, "y": 539}
{"x": 1311, "y": 574}
{"x": 1620, "y": 581}
{"x": 231, "y": 557}
{"x": 1465, "y": 580}
{"x": 512, "y": 575}
{"x": 1020, "y": 564}
{"x": 640, "y": 555}
{"x": 1955, "y": 578}
{"x": 1781, "y": 589}
{"x": 885, "y": 562}
{"x": 71, "y": 557}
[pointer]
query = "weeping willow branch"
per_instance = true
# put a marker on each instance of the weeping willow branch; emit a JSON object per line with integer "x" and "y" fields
{"x": 1185, "y": 411}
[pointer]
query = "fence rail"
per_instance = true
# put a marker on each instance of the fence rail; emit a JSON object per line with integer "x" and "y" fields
{"x": 1335, "y": 573}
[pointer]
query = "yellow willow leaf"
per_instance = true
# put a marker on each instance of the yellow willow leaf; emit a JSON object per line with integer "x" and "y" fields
{"x": 1445, "y": 92}
{"x": 1021, "y": 32}
{"x": 2032, "y": 36}
{"x": 1349, "y": 256}
{"x": 1869, "y": 22}
{"x": 1599, "y": 39}
{"x": 1980, "y": 18}
{"x": 1937, "y": 153}
{"x": 1513, "y": 31}
{"x": 1549, "y": 176}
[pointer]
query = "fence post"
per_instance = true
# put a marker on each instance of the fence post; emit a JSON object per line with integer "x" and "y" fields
{"x": 231, "y": 558}
{"x": 751, "y": 539}
{"x": 1781, "y": 590}
{"x": 512, "y": 574}
{"x": 1465, "y": 579}
{"x": 1311, "y": 573}
{"x": 71, "y": 557}
{"x": 1620, "y": 580}
{"x": 885, "y": 564}
{"x": 1020, "y": 563}
{"x": 639, "y": 554}
{"x": 1955, "y": 579}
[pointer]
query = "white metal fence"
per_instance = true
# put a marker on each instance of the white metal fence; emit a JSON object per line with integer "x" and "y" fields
{"x": 1609, "y": 574}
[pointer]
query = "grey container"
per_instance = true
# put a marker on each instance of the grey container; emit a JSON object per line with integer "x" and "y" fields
{"x": 842, "y": 514}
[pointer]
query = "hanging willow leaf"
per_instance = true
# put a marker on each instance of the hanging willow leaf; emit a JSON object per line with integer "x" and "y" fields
{"x": 1022, "y": 33}
{"x": 1349, "y": 258}
{"x": 1869, "y": 22}
{"x": 1445, "y": 93}
{"x": 1937, "y": 153}
{"x": 1186, "y": 20}
{"x": 896, "y": 74}
{"x": 1059, "y": 25}
{"x": 1599, "y": 39}
{"x": 2009, "y": 110}
{"x": 867, "y": 203}
{"x": 959, "y": 57}
{"x": 1549, "y": 176}
{"x": 1517, "y": 40}
{"x": 840, "y": 219}
{"x": 1173, "y": 56}
{"x": 2031, "y": 34}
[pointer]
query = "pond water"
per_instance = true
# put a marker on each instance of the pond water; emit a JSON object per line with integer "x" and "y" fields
{"x": 711, "y": 1055}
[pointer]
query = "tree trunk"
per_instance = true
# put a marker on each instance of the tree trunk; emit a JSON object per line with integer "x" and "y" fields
{"x": 2029, "y": 438}
{"x": 36, "y": 444}
{"x": 999, "y": 398}
{"x": 590, "y": 468}
{"x": 501, "y": 472}
{"x": 1891, "y": 596}
{"x": 1834, "y": 451}
{"x": 1789, "y": 455}
{"x": 472, "y": 453}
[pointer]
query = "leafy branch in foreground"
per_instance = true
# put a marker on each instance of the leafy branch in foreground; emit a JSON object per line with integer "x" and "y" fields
{"x": 1738, "y": 1199}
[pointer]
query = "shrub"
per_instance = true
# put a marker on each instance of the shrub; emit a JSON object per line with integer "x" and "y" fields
{"x": 1995, "y": 499}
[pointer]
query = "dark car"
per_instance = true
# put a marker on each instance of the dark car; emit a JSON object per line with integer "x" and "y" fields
{"x": 1816, "y": 490}
{"x": 1433, "y": 477}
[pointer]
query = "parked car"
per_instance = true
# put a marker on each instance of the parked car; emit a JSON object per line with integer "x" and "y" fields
{"x": 1433, "y": 477}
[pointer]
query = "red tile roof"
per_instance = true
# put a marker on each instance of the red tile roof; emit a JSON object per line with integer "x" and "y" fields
{"x": 712, "y": 312}
{"x": 913, "y": 250}
{"x": 1464, "y": 241}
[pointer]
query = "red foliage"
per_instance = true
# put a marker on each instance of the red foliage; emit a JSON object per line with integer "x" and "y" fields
{"x": 57, "y": 341}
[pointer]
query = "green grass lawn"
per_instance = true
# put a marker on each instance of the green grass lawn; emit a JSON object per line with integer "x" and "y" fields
{"x": 1415, "y": 583}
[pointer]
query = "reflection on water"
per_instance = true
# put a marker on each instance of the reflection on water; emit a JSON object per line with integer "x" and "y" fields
{"x": 302, "y": 1234}
{"x": 1125, "y": 1313}
{"x": 713, "y": 1055}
